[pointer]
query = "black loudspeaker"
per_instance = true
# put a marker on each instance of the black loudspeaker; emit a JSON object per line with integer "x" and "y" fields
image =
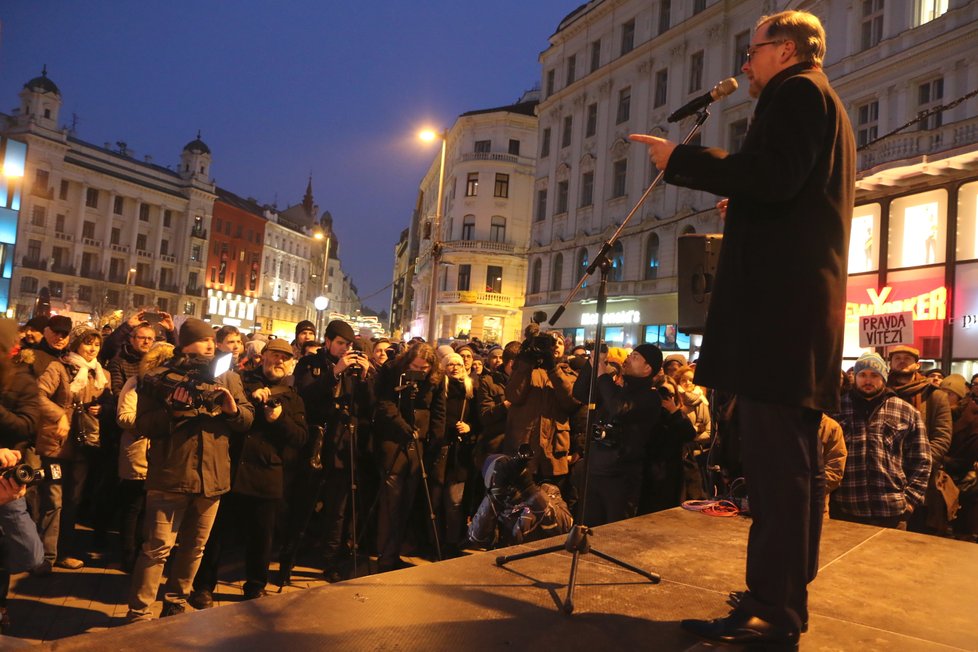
{"x": 698, "y": 256}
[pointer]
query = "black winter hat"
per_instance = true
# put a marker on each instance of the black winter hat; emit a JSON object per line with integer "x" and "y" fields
{"x": 305, "y": 325}
{"x": 194, "y": 330}
{"x": 652, "y": 355}
{"x": 339, "y": 328}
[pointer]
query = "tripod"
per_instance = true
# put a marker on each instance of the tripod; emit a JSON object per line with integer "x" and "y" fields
{"x": 408, "y": 390}
{"x": 577, "y": 541}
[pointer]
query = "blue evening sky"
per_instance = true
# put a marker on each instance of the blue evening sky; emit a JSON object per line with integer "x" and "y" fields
{"x": 280, "y": 90}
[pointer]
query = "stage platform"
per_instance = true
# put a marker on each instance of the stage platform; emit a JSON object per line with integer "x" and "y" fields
{"x": 876, "y": 590}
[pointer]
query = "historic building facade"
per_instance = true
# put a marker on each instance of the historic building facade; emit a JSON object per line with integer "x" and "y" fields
{"x": 483, "y": 235}
{"x": 102, "y": 230}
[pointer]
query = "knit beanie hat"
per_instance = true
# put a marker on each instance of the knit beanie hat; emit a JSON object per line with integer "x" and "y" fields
{"x": 194, "y": 330}
{"x": 652, "y": 355}
{"x": 616, "y": 355}
{"x": 872, "y": 362}
{"x": 306, "y": 325}
{"x": 676, "y": 357}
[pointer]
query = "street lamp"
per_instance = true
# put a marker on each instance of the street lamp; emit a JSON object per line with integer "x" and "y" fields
{"x": 321, "y": 303}
{"x": 430, "y": 136}
{"x": 129, "y": 278}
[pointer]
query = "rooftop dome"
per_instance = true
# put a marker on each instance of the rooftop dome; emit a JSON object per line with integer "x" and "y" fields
{"x": 197, "y": 146}
{"x": 42, "y": 84}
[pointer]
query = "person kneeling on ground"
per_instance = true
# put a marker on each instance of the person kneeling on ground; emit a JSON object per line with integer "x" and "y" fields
{"x": 516, "y": 509}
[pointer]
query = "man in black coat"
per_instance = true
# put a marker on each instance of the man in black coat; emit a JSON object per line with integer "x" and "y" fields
{"x": 335, "y": 385}
{"x": 629, "y": 414}
{"x": 781, "y": 280}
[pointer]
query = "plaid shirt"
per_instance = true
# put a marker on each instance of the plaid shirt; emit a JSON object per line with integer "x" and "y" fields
{"x": 888, "y": 462}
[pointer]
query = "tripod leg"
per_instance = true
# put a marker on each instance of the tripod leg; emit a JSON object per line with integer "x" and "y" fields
{"x": 427, "y": 493}
{"x": 652, "y": 577}
{"x": 572, "y": 584}
{"x": 505, "y": 559}
{"x": 353, "y": 494}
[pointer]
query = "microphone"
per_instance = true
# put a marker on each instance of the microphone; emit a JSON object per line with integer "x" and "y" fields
{"x": 722, "y": 89}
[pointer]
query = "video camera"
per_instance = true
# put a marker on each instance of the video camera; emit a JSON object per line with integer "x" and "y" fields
{"x": 541, "y": 349}
{"x": 198, "y": 381}
{"x": 25, "y": 474}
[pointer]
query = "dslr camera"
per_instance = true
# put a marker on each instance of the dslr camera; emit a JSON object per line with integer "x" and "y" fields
{"x": 605, "y": 433}
{"x": 206, "y": 396}
{"x": 25, "y": 474}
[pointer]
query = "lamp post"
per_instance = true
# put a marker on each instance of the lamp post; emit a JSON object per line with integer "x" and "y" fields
{"x": 327, "y": 237}
{"x": 436, "y": 232}
{"x": 129, "y": 278}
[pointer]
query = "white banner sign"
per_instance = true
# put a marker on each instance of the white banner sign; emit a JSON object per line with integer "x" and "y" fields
{"x": 886, "y": 330}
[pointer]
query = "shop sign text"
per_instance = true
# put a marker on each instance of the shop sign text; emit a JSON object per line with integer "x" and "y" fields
{"x": 927, "y": 306}
{"x": 622, "y": 317}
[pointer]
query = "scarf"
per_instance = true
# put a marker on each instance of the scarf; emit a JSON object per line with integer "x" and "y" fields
{"x": 86, "y": 372}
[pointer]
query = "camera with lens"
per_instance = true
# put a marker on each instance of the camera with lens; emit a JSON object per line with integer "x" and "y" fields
{"x": 606, "y": 433}
{"x": 356, "y": 367}
{"x": 25, "y": 474}
{"x": 272, "y": 403}
{"x": 198, "y": 380}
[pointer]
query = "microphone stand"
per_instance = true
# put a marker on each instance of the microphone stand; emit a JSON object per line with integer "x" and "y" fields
{"x": 577, "y": 539}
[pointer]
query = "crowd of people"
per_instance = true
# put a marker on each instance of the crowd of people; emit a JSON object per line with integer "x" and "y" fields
{"x": 361, "y": 450}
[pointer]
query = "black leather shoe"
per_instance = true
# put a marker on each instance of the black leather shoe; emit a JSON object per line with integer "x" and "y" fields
{"x": 202, "y": 599}
{"x": 735, "y": 598}
{"x": 744, "y": 629}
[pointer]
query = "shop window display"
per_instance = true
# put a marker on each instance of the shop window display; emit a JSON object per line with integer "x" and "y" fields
{"x": 918, "y": 229}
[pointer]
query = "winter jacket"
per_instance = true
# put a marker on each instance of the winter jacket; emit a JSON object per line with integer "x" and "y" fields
{"x": 542, "y": 403}
{"x": 258, "y": 457}
{"x": 190, "y": 454}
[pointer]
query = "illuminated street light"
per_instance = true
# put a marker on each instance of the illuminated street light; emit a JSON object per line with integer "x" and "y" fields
{"x": 429, "y": 136}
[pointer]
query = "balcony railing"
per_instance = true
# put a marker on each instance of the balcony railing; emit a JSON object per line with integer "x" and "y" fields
{"x": 477, "y": 246}
{"x": 63, "y": 269}
{"x": 145, "y": 282}
{"x": 490, "y": 156}
{"x": 91, "y": 274}
{"x": 194, "y": 290}
{"x": 34, "y": 263}
{"x": 911, "y": 144}
{"x": 42, "y": 191}
{"x": 167, "y": 258}
{"x": 198, "y": 233}
{"x": 144, "y": 254}
{"x": 170, "y": 287}
{"x": 122, "y": 249}
{"x": 479, "y": 298}
{"x": 92, "y": 242}
{"x": 67, "y": 237}
{"x": 116, "y": 278}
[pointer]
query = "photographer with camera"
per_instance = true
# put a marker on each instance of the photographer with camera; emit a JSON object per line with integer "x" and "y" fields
{"x": 190, "y": 415}
{"x": 257, "y": 478}
{"x": 160, "y": 322}
{"x": 627, "y": 416}
{"x": 20, "y": 545}
{"x": 516, "y": 509}
{"x": 542, "y": 404}
{"x": 336, "y": 385}
{"x": 410, "y": 412}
